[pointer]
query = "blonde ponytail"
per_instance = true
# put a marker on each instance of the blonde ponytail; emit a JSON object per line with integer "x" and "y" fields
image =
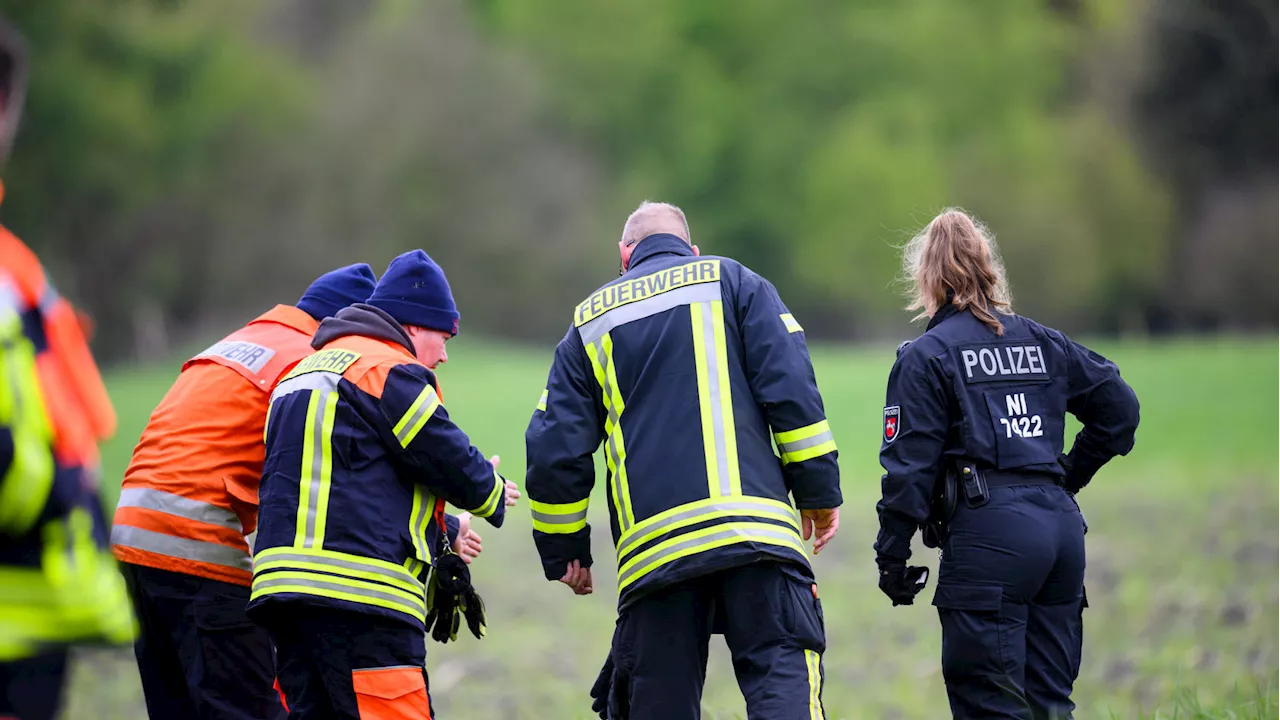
{"x": 956, "y": 253}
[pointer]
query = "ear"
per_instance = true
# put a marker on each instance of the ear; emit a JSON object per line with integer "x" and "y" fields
{"x": 695, "y": 250}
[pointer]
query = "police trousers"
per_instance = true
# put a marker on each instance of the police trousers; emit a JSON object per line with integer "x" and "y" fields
{"x": 342, "y": 665}
{"x": 772, "y": 623}
{"x": 32, "y": 688}
{"x": 198, "y": 655}
{"x": 1010, "y": 597}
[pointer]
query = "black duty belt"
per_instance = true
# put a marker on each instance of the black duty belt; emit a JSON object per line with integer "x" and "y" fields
{"x": 1000, "y": 478}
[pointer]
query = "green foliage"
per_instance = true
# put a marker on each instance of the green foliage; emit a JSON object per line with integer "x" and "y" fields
{"x": 1183, "y": 616}
{"x": 812, "y": 139}
{"x": 133, "y": 103}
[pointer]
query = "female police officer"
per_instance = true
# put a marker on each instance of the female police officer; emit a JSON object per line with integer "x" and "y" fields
{"x": 978, "y": 404}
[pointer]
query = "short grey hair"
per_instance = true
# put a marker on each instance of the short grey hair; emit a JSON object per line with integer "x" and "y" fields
{"x": 655, "y": 217}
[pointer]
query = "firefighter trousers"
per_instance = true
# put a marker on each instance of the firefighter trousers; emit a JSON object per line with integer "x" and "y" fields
{"x": 772, "y": 622}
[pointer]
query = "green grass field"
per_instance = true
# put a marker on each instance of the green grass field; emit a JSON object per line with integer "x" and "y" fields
{"x": 1182, "y": 576}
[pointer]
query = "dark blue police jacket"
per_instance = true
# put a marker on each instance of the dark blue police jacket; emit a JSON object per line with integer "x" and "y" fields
{"x": 961, "y": 391}
{"x": 685, "y": 368}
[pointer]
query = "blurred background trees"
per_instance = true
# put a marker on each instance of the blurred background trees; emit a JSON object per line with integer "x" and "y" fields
{"x": 185, "y": 163}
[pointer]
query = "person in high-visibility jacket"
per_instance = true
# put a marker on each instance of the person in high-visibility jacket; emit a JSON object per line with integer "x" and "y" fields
{"x": 686, "y": 368}
{"x": 361, "y": 457}
{"x": 59, "y": 584}
{"x": 188, "y": 511}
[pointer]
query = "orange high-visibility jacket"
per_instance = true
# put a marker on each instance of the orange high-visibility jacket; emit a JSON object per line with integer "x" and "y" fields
{"x": 77, "y": 399}
{"x": 190, "y": 495}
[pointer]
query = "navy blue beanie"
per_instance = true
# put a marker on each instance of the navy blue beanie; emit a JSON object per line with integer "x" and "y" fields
{"x": 414, "y": 291}
{"x": 337, "y": 289}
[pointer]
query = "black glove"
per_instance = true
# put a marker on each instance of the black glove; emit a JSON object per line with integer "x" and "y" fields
{"x": 609, "y": 699}
{"x": 450, "y": 598}
{"x": 902, "y": 583}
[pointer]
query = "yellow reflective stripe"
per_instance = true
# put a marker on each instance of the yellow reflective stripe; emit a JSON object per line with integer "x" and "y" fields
{"x": 559, "y": 519}
{"x": 615, "y": 448}
{"x": 702, "y": 510}
{"x": 373, "y": 564}
{"x": 416, "y": 416}
{"x": 317, "y": 467}
{"x": 729, "y": 435}
{"x": 627, "y": 519}
{"x": 542, "y": 401}
{"x": 419, "y": 518}
{"x": 402, "y": 583}
{"x": 704, "y": 396}
{"x": 490, "y": 505}
{"x": 703, "y": 540}
{"x": 334, "y": 587}
{"x": 559, "y": 508}
{"x": 790, "y": 323}
{"x": 373, "y": 588}
{"x": 804, "y": 443}
{"x": 715, "y": 398}
{"x": 813, "y": 662}
{"x": 803, "y": 433}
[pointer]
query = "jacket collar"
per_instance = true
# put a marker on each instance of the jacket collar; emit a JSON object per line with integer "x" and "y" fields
{"x": 364, "y": 321}
{"x": 658, "y": 244}
{"x": 290, "y": 317}
{"x": 944, "y": 312}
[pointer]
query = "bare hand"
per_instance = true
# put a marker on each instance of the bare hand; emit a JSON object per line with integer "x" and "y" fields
{"x": 825, "y": 521}
{"x": 512, "y": 494}
{"x": 578, "y": 578}
{"x": 467, "y": 545}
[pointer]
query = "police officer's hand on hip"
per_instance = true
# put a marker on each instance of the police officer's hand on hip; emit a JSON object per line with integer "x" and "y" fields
{"x": 971, "y": 445}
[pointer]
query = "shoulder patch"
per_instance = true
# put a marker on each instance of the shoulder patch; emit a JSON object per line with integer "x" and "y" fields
{"x": 251, "y": 356}
{"x": 335, "y": 360}
{"x": 892, "y": 422}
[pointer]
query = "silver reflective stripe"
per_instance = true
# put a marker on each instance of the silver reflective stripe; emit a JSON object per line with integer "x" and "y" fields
{"x": 660, "y": 557}
{"x": 806, "y": 443}
{"x": 687, "y": 295}
{"x": 410, "y": 425}
{"x": 170, "y": 504}
{"x": 312, "y": 481}
{"x": 322, "y": 381}
{"x": 184, "y": 548}
{"x": 251, "y": 539}
{"x": 714, "y": 390}
{"x": 393, "y": 577}
{"x": 611, "y": 444}
{"x": 733, "y": 506}
{"x": 263, "y": 582}
{"x": 560, "y": 519}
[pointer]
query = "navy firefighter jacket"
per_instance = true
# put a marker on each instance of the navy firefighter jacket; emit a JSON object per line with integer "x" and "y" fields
{"x": 685, "y": 368}
{"x": 961, "y": 391}
{"x": 360, "y": 456}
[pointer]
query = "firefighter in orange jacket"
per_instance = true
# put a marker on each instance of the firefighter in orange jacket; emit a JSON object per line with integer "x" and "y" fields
{"x": 188, "y": 512}
{"x": 58, "y": 582}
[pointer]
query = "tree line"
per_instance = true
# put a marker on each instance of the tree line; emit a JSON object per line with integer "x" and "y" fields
{"x": 184, "y": 163}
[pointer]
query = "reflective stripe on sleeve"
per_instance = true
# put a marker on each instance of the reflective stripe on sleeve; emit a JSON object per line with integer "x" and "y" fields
{"x": 416, "y": 416}
{"x": 490, "y": 505}
{"x": 542, "y": 401}
{"x": 559, "y": 519}
{"x": 790, "y": 323}
{"x": 804, "y": 443}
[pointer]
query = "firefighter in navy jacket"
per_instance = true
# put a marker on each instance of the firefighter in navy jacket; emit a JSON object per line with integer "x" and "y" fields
{"x": 685, "y": 368}
{"x": 361, "y": 457}
{"x": 978, "y": 405}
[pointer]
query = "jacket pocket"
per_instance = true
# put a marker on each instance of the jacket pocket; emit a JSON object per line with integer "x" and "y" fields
{"x": 391, "y": 693}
